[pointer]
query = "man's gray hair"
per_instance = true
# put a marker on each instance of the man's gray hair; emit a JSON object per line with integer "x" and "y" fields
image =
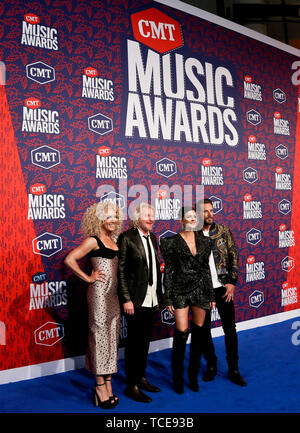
{"x": 134, "y": 217}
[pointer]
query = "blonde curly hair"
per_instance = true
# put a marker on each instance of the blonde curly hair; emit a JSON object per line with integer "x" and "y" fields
{"x": 94, "y": 217}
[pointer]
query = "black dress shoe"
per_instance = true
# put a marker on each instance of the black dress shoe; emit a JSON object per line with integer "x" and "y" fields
{"x": 235, "y": 377}
{"x": 209, "y": 374}
{"x": 178, "y": 386}
{"x": 136, "y": 394}
{"x": 144, "y": 384}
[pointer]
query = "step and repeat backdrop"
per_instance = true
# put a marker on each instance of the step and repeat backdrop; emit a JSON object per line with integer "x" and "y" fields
{"x": 130, "y": 100}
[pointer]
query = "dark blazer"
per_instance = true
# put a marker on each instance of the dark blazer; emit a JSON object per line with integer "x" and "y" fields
{"x": 133, "y": 268}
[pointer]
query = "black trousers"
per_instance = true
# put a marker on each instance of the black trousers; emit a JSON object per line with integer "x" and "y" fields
{"x": 227, "y": 315}
{"x": 139, "y": 333}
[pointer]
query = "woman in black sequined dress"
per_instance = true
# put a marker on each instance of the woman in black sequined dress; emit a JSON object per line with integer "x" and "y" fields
{"x": 188, "y": 287}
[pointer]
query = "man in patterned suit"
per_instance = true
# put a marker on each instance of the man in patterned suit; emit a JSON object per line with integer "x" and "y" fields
{"x": 224, "y": 268}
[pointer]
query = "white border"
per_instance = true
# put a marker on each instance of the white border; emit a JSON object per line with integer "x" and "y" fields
{"x": 193, "y": 10}
{"x": 64, "y": 365}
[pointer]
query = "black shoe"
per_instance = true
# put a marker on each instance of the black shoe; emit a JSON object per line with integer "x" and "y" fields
{"x": 193, "y": 377}
{"x": 178, "y": 386}
{"x": 136, "y": 394}
{"x": 209, "y": 374}
{"x": 235, "y": 377}
{"x": 146, "y": 386}
{"x": 106, "y": 404}
{"x": 113, "y": 397}
{"x": 194, "y": 386}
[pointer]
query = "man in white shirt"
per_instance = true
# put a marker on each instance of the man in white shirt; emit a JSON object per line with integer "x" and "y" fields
{"x": 140, "y": 293}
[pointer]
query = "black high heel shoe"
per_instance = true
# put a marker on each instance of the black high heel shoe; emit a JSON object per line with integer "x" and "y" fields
{"x": 113, "y": 397}
{"x": 106, "y": 404}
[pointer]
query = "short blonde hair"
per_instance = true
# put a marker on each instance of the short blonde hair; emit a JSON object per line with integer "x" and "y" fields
{"x": 134, "y": 218}
{"x": 94, "y": 217}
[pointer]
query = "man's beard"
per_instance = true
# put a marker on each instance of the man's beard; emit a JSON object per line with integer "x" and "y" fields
{"x": 208, "y": 221}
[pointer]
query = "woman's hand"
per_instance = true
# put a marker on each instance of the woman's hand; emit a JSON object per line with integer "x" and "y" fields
{"x": 171, "y": 309}
{"x": 97, "y": 275}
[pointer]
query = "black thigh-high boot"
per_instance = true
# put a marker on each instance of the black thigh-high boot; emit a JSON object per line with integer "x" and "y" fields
{"x": 178, "y": 352}
{"x": 208, "y": 351}
{"x": 196, "y": 348}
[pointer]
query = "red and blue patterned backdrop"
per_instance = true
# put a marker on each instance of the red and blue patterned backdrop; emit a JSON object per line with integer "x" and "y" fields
{"x": 139, "y": 97}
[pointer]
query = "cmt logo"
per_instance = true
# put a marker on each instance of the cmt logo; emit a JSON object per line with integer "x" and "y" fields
{"x": 250, "y": 260}
{"x": 281, "y": 151}
{"x": 166, "y": 234}
{"x": 47, "y": 244}
{"x": 100, "y": 124}
{"x": 166, "y": 167}
{"x": 38, "y": 189}
{"x": 39, "y": 277}
{"x": 104, "y": 151}
{"x": 287, "y": 264}
{"x": 253, "y": 117}
{"x": 91, "y": 72}
{"x": 161, "y": 194}
{"x": 45, "y": 157}
{"x": 40, "y": 72}
{"x": 253, "y": 236}
{"x": 115, "y": 198}
{"x": 156, "y": 30}
{"x": 206, "y": 162}
{"x": 284, "y": 206}
{"x": 32, "y": 103}
{"x": 31, "y": 18}
{"x": 256, "y": 299}
{"x": 167, "y": 317}
{"x": 49, "y": 334}
{"x": 217, "y": 204}
{"x": 279, "y": 96}
{"x": 250, "y": 175}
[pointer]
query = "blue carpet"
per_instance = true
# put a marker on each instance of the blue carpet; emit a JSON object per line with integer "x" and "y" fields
{"x": 269, "y": 362}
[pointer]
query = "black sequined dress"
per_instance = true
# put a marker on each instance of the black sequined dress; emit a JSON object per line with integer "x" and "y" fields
{"x": 187, "y": 278}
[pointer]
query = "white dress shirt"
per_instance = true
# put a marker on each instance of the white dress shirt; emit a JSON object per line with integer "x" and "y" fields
{"x": 151, "y": 296}
{"x": 213, "y": 271}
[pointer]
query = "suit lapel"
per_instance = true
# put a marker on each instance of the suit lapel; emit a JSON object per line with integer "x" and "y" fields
{"x": 139, "y": 244}
{"x": 154, "y": 244}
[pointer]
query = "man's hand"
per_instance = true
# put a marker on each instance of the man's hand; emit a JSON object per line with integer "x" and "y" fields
{"x": 230, "y": 288}
{"x": 128, "y": 308}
